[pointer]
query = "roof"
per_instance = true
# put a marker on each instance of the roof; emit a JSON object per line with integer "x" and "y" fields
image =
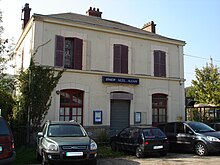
{"x": 102, "y": 23}
{"x": 63, "y": 122}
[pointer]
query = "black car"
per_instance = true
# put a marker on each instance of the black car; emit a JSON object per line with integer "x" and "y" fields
{"x": 141, "y": 140}
{"x": 7, "y": 151}
{"x": 65, "y": 141}
{"x": 192, "y": 136}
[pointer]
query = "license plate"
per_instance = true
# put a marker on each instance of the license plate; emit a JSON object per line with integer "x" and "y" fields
{"x": 74, "y": 153}
{"x": 0, "y": 148}
{"x": 158, "y": 147}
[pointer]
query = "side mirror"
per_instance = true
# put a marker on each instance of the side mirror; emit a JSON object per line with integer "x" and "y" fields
{"x": 40, "y": 134}
{"x": 90, "y": 134}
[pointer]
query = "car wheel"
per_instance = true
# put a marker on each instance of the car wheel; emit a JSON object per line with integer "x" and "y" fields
{"x": 201, "y": 149}
{"x": 163, "y": 153}
{"x": 44, "y": 159}
{"x": 113, "y": 146}
{"x": 139, "y": 152}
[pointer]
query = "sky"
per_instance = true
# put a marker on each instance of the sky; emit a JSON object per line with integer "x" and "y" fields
{"x": 197, "y": 22}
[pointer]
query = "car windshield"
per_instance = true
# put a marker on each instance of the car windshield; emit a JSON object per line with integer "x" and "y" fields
{"x": 200, "y": 127}
{"x": 153, "y": 132}
{"x": 65, "y": 130}
{"x": 4, "y": 128}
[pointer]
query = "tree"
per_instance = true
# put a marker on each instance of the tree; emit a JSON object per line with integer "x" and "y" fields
{"x": 206, "y": 87}
{"x": 6, "y": 81}
{"x": 36, "y": 86}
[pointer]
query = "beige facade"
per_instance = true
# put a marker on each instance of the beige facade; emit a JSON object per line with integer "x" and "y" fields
{"x": 97, "y": 61}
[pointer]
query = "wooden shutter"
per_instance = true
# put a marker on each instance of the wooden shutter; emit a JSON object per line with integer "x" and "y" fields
{"x": 77, "y": 49}
{"x": 59, "y": 50}
{"x": 124, "y": 59}
{"x": 117, "y": 59}
{"x": 162, "y": 64}
{"x": 156, "y": 63}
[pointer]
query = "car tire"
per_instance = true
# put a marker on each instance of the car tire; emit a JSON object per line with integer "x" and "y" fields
{"x": 139, "y": 152}
{"x": 201, "y": 149}
{"x": 113, "y": 146}
{"x": 163, "y": 153}
{"x": 44, "y": 159}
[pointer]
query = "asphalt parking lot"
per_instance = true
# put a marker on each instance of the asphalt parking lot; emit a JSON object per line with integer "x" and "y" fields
{"x": 170, "y": 159}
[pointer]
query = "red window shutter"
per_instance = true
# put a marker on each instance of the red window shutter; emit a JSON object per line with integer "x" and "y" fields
{"x": 124, "y": 59}
{"x": 59, "y": 50}
{"x": 163, "y": 64}
{"x": 156, "y": 63}
{"x": 117, "y": 59}
{"x": 159, "y": 63}
{"x": 78, "y": 50}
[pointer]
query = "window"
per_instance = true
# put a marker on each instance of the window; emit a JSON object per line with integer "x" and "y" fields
{"x": 68, "y": 52}
{"x": 159, "y": 63}
{"x": 71, "y": 105}
{"x": 159, "y": 108}
{"x": 120, "y": 58}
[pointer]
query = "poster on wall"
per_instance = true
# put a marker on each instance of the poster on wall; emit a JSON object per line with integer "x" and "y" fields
{"x": 137, "y": 117}
{"x": 97, "y": 117}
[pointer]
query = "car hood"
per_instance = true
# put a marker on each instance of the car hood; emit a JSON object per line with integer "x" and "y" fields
{"x": 214, "y": 134}
{"x": 71, "y": 140}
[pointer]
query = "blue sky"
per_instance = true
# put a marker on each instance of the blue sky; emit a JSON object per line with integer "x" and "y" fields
{"x": 195, "y": 21}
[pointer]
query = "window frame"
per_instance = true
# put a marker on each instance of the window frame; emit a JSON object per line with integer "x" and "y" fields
{"x": 160, "y": 63}
{"x": 76, "y": 54}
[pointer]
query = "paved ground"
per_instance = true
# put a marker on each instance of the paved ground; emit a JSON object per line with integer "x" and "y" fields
{"x": 170, "y": 159}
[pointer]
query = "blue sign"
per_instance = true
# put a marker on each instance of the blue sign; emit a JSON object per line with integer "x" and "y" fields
{"x": 108, "y": 79}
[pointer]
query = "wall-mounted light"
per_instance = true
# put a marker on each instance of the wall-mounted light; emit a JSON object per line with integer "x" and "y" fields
{"x": 57, "y": 92}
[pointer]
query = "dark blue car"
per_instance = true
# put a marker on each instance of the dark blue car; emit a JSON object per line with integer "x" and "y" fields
{"x": 192, "y": 136}
{"x": 141, "y": 140}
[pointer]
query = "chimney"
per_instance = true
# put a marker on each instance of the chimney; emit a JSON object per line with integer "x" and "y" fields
{"x": 150, "y": 27}
{"x": 25, "y": 15}
{"x": 93, "y": 12}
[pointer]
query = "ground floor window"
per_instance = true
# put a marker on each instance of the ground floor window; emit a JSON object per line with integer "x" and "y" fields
{"x": 71, "y": 105}
{"x": 159, "y": 108}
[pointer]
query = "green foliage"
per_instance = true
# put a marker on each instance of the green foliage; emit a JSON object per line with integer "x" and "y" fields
{"x": 206, "y": 87}
{"x": 36, "y": 85}
{"x": 25, "y": 155}
{"x": 190, "y": 91}
{"x": 6, "y": 105}
{"x": 6, "y": 82}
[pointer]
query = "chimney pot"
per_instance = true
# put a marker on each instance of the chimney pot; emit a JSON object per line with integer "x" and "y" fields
{"x": 26, "y": 15}
{"x": 150, "y": 27}
{"x": 93, "y": 12}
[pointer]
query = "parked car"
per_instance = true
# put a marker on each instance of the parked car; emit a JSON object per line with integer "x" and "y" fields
{"x": 7, "y": 151}
{"x": 192, "y": 136}
{"x": 141, "y": 140}
{"x": 65, "y": 142}
{"x": 215, "y": 126}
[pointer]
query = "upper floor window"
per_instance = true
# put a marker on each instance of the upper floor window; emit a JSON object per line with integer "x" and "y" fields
{"x": 159, "y": 63}
{"x": 120, "y": 58}
{"x": 68, "y": 52}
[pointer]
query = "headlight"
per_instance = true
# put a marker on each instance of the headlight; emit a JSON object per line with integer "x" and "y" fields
{"x": 93, "y": 145}
{"x": 51, "y": 147}
{"x": 213, "y": 139}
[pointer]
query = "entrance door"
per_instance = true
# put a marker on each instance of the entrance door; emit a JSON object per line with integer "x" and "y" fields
{"x": 120, "y": 115}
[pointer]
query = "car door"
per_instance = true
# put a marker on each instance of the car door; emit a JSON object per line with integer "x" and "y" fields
{"x": 169, "y": 130}
{"x": 185, "y": 136}
{"x": 123, "y": 139}
{"x": 134, "y": 139}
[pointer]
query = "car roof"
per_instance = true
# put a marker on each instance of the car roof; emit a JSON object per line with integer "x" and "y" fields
{"x": 63, "y": 122}
{"x": 142, "y": 126}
